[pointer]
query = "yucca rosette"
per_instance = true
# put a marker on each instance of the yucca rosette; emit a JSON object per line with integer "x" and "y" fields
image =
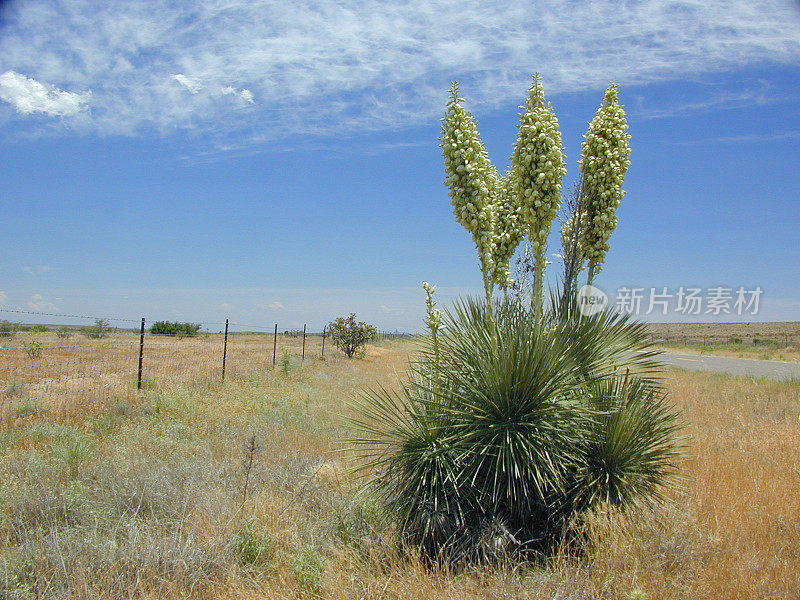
{"x": 605, "y": 160}
{"x": 537, "y": 168}
{"x": 471, "y": 179}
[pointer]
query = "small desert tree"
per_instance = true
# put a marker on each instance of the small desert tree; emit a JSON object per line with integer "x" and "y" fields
{"x": 349, "y": 335}
{"x": 100, "y": 329}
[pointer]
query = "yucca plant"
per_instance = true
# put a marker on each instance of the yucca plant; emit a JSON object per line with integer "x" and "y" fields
{"x": 518, "y": 419}
{"x": 515, "y": 430}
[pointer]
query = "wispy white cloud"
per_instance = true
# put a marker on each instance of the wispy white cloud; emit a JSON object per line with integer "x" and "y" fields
{"x": 777, "y": 136}
{"x": 261, "y": 69}
{"x": 39, "y": 303}
{"x": 37, "y": 269}
{"x": 28, "y": 96}
{"x": 3, "y": 297}
{"x": 190, "y": 83}
{"x": 276, "y": 305}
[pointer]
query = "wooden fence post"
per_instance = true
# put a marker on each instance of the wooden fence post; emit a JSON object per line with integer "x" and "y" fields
{"x": 224, "y": 350}
{"x": 274, "y": 345}
{"x": 141, "y": 356}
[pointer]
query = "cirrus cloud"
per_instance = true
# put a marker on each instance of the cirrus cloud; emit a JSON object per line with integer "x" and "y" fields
{"x": 328, "y": 66}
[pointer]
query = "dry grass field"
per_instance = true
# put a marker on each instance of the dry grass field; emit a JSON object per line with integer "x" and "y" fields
{"x": 764, "y": 341}
{"x": 40, "y": 371}
{"x": 237, "y": 490}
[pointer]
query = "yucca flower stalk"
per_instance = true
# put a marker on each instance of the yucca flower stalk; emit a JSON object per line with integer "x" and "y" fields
{"x": 605, "y": 160}
{"x": 508, "y": 232}
{"x": 472, "y": 181}
{"x": 433, "y": 317}
{"x": 537, "y": 168}
{"x": 572, "y": 227}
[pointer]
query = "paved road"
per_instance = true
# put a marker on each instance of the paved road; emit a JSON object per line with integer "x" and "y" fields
{"x": 743, "y": 367}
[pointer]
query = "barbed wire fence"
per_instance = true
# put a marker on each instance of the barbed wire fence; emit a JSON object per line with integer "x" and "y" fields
{"x": 84, "y": 360}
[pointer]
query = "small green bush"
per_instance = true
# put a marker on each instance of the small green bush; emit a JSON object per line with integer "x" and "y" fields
{"x": 253, "y": 547}
{"x": 100, "y": 329}
{"x": 63, "y": 333}
{"x": 349, "y": 335}
{"x": 175, "y": 328}
{"x": 286, "y": 361}
{"x": 7, "y": 328}
{"x": 33, "y": 349}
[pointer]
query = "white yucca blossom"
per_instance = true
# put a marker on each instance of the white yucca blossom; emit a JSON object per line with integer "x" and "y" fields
{"x": 508, "y": 231}
{"x": 433, "y": 316}
{"x": 605, "y": 160}
{"x": 537, "y": 168}
{"x": 471, "y": 179}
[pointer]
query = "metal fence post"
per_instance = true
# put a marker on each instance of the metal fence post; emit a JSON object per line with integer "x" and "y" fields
{"x": 225, "y": 350}
{"x": 141, "y": 355}
{"x": 304, "y": 342}
{"x": 274, "y": 345}
{"x": 323, "y": 341}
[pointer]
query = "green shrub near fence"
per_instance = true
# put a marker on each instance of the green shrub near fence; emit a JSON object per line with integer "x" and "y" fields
{"x": 175, "y": 328}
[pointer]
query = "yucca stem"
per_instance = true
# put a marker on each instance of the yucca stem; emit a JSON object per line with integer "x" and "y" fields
{"x": 538, "y": 286}
{"x": 590, "y": 279}
{"x": 488, "y": 288}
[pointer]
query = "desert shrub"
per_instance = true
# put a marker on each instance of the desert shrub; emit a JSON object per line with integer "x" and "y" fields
{"x": 349, "y": 335}
{"x": 15, "y": 390}
{"x": 286, "y": 361}
{"x": 33, "y": 349}
{"x": 175, "y": 328}
{"x": 253, "y": 546}
{"x": 100, "y": 329}
{"x": 63, "y": 333}
{"x": 7, "y": 328}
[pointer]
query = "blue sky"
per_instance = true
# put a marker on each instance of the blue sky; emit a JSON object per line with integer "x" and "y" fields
{"x": 279, "y": 162}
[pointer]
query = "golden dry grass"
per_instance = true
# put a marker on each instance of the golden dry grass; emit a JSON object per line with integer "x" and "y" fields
{"x": 776, "y": 341}
{"x": 156, "y": 506}
{"x": 80, "y": 373}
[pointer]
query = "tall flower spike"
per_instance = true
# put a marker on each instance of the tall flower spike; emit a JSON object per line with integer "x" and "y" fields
{"x": 537, "y": 168}
{"x": 508, "y": 230}
{"x": 605, "y": 160}
{"x": 471, "y": 179}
